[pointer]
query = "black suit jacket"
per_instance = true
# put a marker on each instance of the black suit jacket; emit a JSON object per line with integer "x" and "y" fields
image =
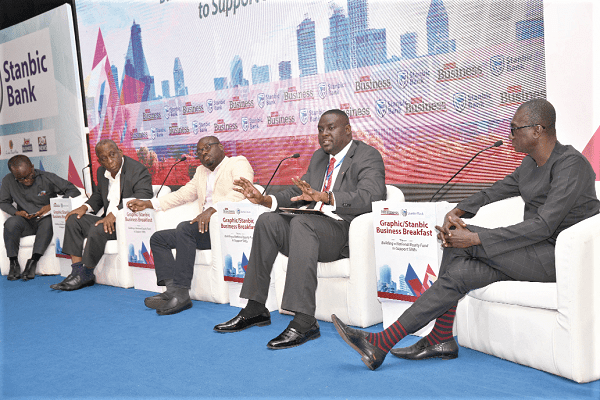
{"x": 135, "y": 182}
{"x": 360, "y": 181}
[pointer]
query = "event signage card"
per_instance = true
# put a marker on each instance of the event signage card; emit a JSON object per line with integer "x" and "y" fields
{"x": 407, "y": 251}
{"x": 139, "y": 227}
{"x": 60, "y": 207}
{"x": 237, "y": 222}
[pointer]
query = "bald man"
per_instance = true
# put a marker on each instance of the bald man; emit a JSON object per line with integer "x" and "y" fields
{"x": 557, "y": 184}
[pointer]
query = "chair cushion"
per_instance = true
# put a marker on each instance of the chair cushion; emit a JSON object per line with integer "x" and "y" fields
{"x": 27, "y": 241}
{"x": 525, "y": 294}
{"x": 111, "y": 247}
{"x": 203, "y": 257}
{"x": 334, "y": 269}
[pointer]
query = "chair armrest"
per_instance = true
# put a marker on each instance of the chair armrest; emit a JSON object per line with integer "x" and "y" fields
{"x": 363, "y": 274}
{"x": 172, "y": 217}
{"x": 578, "y": 281}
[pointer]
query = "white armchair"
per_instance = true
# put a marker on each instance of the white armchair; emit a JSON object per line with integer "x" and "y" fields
{"x": 553, "y": 327}
{"x": 48, "y": 264}
{"x": 347, "y": 287}
{"x": 207, "y": 283}
{"x": 113, "y": 268}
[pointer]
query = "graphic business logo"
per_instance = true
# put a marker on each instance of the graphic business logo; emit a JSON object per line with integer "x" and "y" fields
{"x": 366, "y": 84}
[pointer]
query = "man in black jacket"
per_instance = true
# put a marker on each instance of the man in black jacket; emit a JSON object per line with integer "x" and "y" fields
{"x": 118, "y": 177}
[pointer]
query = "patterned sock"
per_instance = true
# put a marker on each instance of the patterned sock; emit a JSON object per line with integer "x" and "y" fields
{"x": 388, "y": 338}
{"x": 442, "y": 330}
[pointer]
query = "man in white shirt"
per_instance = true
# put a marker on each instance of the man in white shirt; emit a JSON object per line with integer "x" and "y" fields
{"x": 212, "y": 183}
{"x": 118, "y": 177}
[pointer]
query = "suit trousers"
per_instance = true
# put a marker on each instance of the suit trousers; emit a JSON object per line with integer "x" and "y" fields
{"x": 77, "y": 230}
{"x": 17, "y": 227}
{"x": 305, "y": 240}
{"x": 463, "y": 270}
{"x": 185, "y": 239}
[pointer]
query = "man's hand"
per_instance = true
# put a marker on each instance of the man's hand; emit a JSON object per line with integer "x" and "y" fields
{"x": 41, "y": 212}
{"x": 308, "y": 193}
{"x": 245, "y": 187}
{"x": 78, "y": 211}
{"x": 139, "y": 205}
{"x": 203, "y": 219}
{"x": 454, "y": 232}
{"x": 24, "y": 214}
{"x": 109, "y": 223}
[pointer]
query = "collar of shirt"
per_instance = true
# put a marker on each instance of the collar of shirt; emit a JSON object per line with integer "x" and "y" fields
{"x": 114, "y": 190}
{"x": 211, "y": 180}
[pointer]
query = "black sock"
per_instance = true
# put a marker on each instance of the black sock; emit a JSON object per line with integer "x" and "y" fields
{"x": 302, "y": 322}
{"x": 13, "y": 258}
{"x": 253, "y": 308}
{"x": 36, "y": 257}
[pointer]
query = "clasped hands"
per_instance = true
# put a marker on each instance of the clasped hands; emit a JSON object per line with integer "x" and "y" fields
{"x": 245, "y": 187}
{"x": 454, "y": 232}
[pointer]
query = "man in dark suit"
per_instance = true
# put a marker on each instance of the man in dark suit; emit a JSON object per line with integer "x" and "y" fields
{"x": 118, "y": 177}
{"x": 343, "y": 178}
{"x": 557, "y": 184}
{"x": 31, "y": 190}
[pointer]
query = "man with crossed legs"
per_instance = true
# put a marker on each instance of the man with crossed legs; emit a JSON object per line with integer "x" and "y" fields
{"x": 557, "y": 184}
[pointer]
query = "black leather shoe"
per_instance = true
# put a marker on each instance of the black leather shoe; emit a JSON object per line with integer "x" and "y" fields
{"x": 14, "y": 272}
{"x": 174, "y": 306}
{"x": 75, "y": 282}
{"x": 372, "y": 355}
{"x": 239, "y": 323}
{"x": 58, "y": 286}
{"x": 30, "y": 268}
{"x": 158, "y": 301}
{"x": 422, "y": 349}
{"x": 290, "y": 337}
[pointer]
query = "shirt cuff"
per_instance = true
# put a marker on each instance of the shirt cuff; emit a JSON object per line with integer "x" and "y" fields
{"x": 273, "y": 202}
{"x": 155, "y": 204}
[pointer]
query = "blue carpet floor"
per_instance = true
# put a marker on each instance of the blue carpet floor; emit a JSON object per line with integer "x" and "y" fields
{"x": 102, "y": 342}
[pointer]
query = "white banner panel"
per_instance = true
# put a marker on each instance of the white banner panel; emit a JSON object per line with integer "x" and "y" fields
{"x": 139, "y": 227}
{"x": 237, "y": 220}
{"x": 407, "y": 251}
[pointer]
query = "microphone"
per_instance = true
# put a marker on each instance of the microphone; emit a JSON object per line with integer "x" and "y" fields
{"x": 272, "y": 176}
{"x": 183, "y": 158}
{"x": 91, "y": 178}
{"x": 497, "y": 144}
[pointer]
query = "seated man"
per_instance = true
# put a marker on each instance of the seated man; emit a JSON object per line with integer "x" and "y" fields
{"x": 31, "y": 189}
{"x": 343, "y": 178}
{"x": 212, "y": 183}
{"x": 557, "y": 185}
{"x": 118, "y": 177}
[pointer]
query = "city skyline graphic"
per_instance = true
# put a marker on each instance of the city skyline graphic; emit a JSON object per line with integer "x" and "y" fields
{"x": 428, "y": 79}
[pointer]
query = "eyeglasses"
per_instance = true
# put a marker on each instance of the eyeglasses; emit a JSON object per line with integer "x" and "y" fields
{"x": 513, "y": 130}
{"x": 29, "y": 177}
{"x": 206, "y": 148}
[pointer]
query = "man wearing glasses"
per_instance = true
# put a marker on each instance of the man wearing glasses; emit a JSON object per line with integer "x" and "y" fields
{"x": 31, "y": 190}
{"x": 212, "y": 183}
{"x": 557, "y": 184}
{"x": 118, "y": 177}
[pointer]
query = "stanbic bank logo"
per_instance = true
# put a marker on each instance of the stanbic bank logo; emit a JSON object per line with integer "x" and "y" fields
{"x": 27, "y": 83}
